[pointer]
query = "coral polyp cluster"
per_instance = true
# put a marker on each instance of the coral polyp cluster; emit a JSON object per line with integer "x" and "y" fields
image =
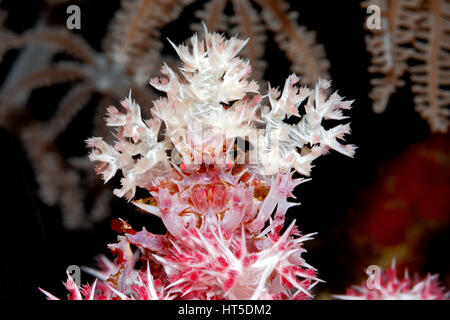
{"x": 387, "y": 286}
{"x": 211, "y": 265}
{"x": 218, "y": 165}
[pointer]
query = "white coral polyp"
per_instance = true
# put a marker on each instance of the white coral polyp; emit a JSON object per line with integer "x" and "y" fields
{"x": 196, "y": 111}
{"x": 223, "y": 204}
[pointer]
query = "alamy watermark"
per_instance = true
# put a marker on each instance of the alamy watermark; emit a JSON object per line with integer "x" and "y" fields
{"x": 198, "y": 145}
{"x": 373, "y": 22}
{"x": 374, "y": 279}
{"x": 74, "y": 20}
{"x": 75, "y": 272}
